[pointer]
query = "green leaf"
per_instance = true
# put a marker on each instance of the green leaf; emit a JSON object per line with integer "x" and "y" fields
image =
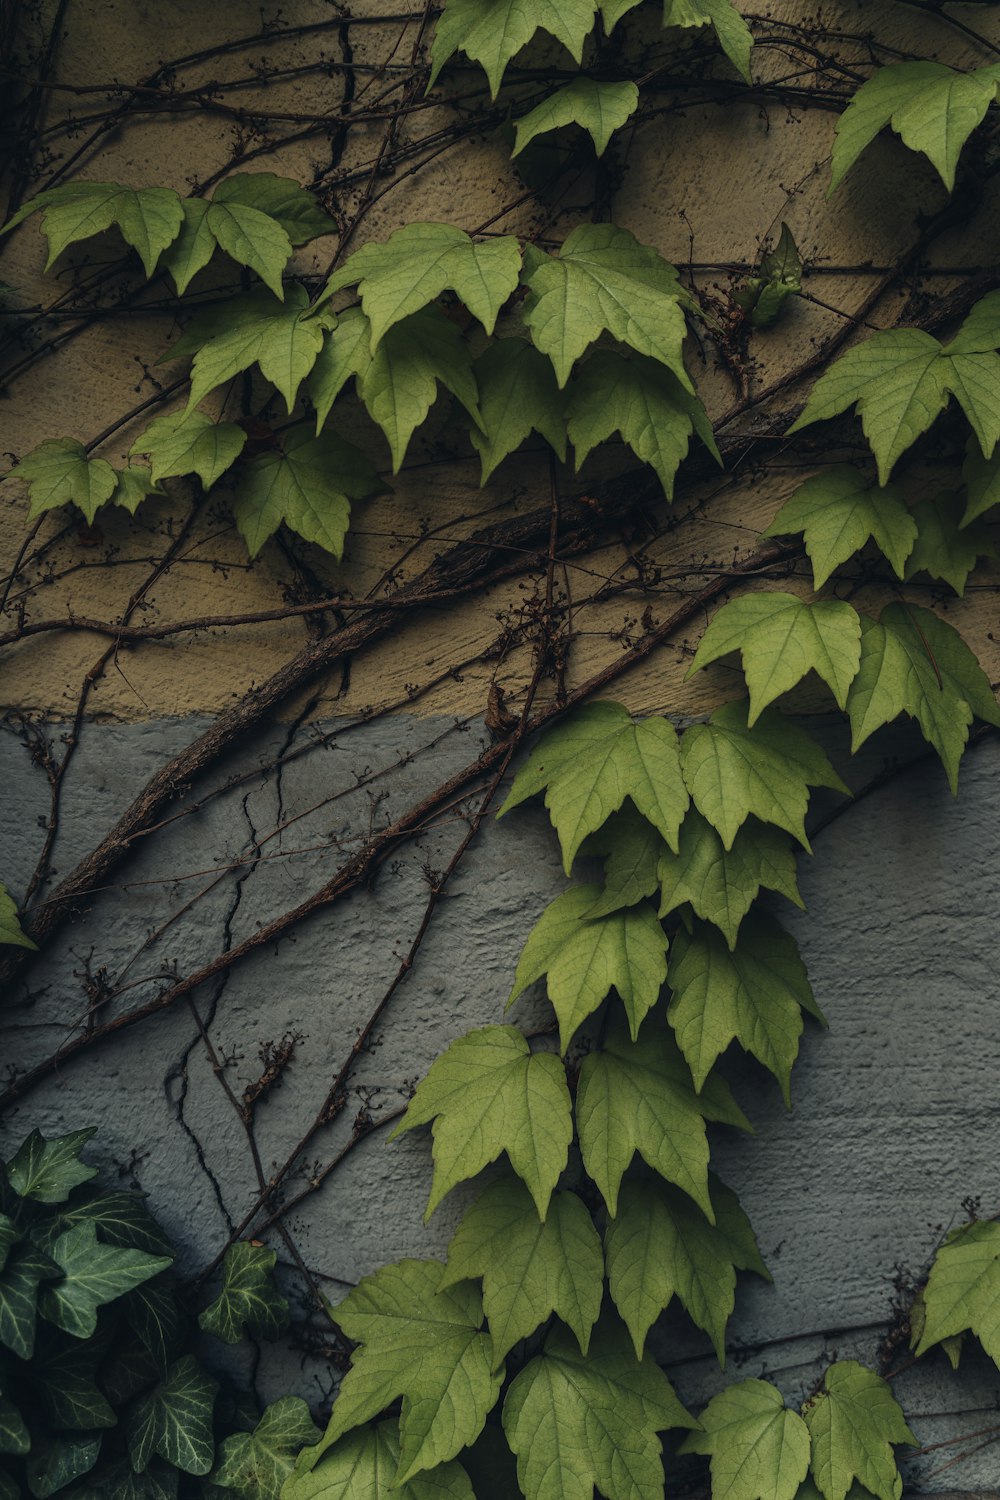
{"x": 119, "y": 1482}
{"x": 594, "y": 760}
{"x": 759, "y": 1448}
{"x": 308, "y": 483}
{"x": 722, "y": 884}
{"x": 58, "y": 471}
{"x": 931, "y": 108}
{"x": 642, "y": 401}
{"x": 914, "y": 663}
{"x": 26, "y": 1266}
{"x": 963, "y": 1289}
{"x": 492, "y": 32}
{"x": 598, "y": 108}
{"x": 282, "y": 198}
{"x": 48, "y": 1170}
{"x": 122, "y": 1218}
{"x": 754, "y": 995}
{"x": 518, "y": 395}
{"x": 152, "y": 1311}
{"x": 488, "y": 1093}
{"x": 735, "y": 36}
{"x": 252, "y": 239}
{"x": 190, "y": 443}
{"x": 133, "y": 485}
{"x": 660, "y": 1247}
{"x": 583, "y": 959}
{"x": 10, "y": 927}
{"x": 399, "y": 383}
{"x": 732, "y": 771}
{"x": 982, "y": 481}
{"x": 175, "y": 1420}
{"x": 422, "y": 260}
{"x": 603, "y": 279}
{"x": 256, "y": 1464}
{"x": 14, "y": 1435}
{"x": 58, "y": 1461}
{"x": 249, "y": 1303}
{"x": 852, "y": 1423}
{"x": 93, "y": 1275}
{"x": 282, "y": 338}
{"x": 638, "y": 1097}
{"x": 632, "y": 848}
{"x": 578, "y": 1422}
{"x": 942, "y": 549}
{"x": 149, "y": 219}
{"x": 779, "y": 277}
{"x": 529, "y": 1269}
{"x": 363, "y": 1466}
{"x": 9, "y": 1490}
{"x": 193, "y": 248}
{"x": 425, "y": 1345}
{"x": 63, "y": 1383}
{"x": 10, "y": 1234}
{"x": 837, "y": 512}
{"x": 780, "y": 639}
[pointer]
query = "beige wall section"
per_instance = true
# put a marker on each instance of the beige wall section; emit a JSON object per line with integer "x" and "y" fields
{"x": 709, "y": 185}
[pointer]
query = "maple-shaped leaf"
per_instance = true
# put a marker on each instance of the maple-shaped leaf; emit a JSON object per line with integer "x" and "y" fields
{"x": 754, "y": 994}
{"x": 363, "y": 1466}
{"x": 853, "y": 1422}
{"x": 58, "y": 471}
{"x": 174, "y": 1419}
{"x": 426, "y": 1345}
{"x": 93, "y": 1275}
{"x": 249, "y": 1302}
{"x": 642, "y": 401}
{"x": 659, "y": 1246}
{"x": 282, "y": 338}
{"x": 982, "y": 482}
{"x": 590, "y": 763}
{"x": 518, "y": 395}
{"x": 780, "y": 638}
{"x": 837, "y": 512}
{"x": 583, "y": 959}
{"x": 578, "y": 1423}
{"x": 913, "y": 662}
{"x": 190, "y": 443}
{"x": 631, "y": 848}
{"x": 489, "y": 1093}
{"x": 638, "y": 1097}
{"x": 759, "y": 1448}
{"x": 529, "y": 1269}
{"x": 945, "y": 547}
{"x": 148, "y": 219}
{"x": 419, "y": 262}
{"x": 399, "y": 382}
{"x": 963, "y": 1289}
{"x": 282, "y": 199}
{"x": 256, "y": 1464}
{"x": 900, "y": 379}
{"x": 598, "y": 108}
{"x": 603, "y": 279}
{"x": 931, "y": 108}
{"x": 11, "y": 930}
{"x": 25, "y": 1268}
{"x": 732, "y": 771}
{"x": 734, "y": 35}
{"x": 48, "y": 1170}
{"x": 308, "y": 483}
{"x": 491, "y": 32}
{"x": 722, "y": 884}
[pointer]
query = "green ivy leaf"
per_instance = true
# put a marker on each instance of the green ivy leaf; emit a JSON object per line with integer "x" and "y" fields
{"x": 119, "y": 1482}
{"x": 852, "y": 1423}
{"x": 308, "y": 483}
{"x": 931, "y": 108}
{"x": 722, "y": 884}
{"x": 734, "y": 35}
{"x": 780, "y": 639}
{"x": 643, "y": 402}
{"x": 963, "y": 1290}
{"x": 942, "y": 549}
{"x": 638, "y": 1097}
{"x": 604, "y": 279}
{"x": 14, "y": 1436}
{"x": 732, "y": 771}
{"x": 632, "y": 848}
{"x": 578, "y": 1422}
{"x": 518, "y": 395}
{"x": 26, "y": 1266}
{"x": 10, "y": 928}
{"x": 190, "y": 443}
{"x": 491, "y": 32}
{"x": 48, "y": 1170}
{"x": 598, "y": 108}
{"x": 58, "y": 471}
{"x": 592, "y": 762}
{"x": 149, "y": 219}
{"x": 175, "y": 1420}
{"x": 249, "y": 1303}
{"x": 63, "y": 1384}
{"x": 837, "y": 512}
{"x": 363, "y": 1466}
{"x": 122, "y": 1218}
{"x": 529, "y": 1269}
{"x": 982, "y": 482}
{"x": 58, "y": 1461}
{"x": 282, "y": 338}
{"x": 914, "y": 663}
{"x": 93, "y": 1275}
{"x": 759, "y": 1448}
{"x": 425, "y": 1345}
{"x": 418, "y": 263}
{"x": 10, "y": 1235}
{"x": 488, "y": 1093}
{"x": 256, "y": 1464}
{"x": 282, "y": 199}
{"x": 754, "y": 994}
{"x": 152, "y": 1311}
{"x": 584, "y": 959}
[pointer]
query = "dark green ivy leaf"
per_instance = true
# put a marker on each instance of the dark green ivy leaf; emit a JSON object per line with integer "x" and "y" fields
{"x": 256, "y": 1464}
{"x": 48, "y": 1171}
{"x": 26, "y": 1267}
{"x": 14, "y": 1436}
{"x": 175, "y": 1420}
{"x": 60, "y": 1460}
{"x": 93, "y": 1275}
{"x": 249, "y": 1303}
